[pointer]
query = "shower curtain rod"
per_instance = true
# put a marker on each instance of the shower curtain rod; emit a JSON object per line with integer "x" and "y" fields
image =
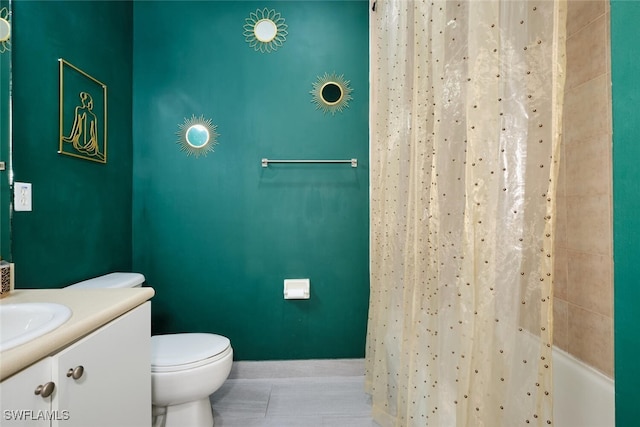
{"x": 354, "y": 162}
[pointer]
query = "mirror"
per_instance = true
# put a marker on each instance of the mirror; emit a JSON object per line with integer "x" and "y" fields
{"x": 331, "y": 93}
{"x": 5, "y": 30}
{"x": 197, "y": 136}
{"x": 265, "y": 30}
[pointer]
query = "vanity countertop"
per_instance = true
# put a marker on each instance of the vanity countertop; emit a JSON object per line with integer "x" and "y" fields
{"x": 91, "y": 309}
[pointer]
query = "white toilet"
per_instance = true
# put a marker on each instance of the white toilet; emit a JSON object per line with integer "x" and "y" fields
{"x": 185, "y": 368}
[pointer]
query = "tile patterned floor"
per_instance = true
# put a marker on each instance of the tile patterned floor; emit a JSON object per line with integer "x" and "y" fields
{"x": 291, "y": 399}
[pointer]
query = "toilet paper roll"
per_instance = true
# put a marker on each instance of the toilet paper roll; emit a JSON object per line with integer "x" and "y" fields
{"x": 295, "y": 294}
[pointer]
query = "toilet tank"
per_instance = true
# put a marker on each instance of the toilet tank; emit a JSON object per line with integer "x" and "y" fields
{"x": 112, "y": 280}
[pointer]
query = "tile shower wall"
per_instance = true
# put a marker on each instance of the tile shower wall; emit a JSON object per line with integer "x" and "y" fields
{"x": 583, "y": 303}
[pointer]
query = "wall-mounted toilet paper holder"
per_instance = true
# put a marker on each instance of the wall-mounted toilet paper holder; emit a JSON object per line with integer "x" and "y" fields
{"x": 296, "y": 289}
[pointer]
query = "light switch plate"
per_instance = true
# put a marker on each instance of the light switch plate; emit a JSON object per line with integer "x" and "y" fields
{"x": 21, "y": 196}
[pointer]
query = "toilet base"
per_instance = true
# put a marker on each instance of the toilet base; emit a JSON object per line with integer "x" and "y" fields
{"x": 192, "y": 414}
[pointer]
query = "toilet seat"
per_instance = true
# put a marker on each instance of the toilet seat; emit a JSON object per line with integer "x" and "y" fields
{"x": 176, "y": 352}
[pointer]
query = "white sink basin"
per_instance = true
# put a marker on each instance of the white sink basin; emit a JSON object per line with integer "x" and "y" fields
{"x": 23, "y": 322}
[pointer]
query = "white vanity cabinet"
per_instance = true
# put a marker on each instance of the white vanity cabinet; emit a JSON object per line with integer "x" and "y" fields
{"x": 18, "y": 401}
{"x": 113, "y": 367}
{"x": 103, "y": 379}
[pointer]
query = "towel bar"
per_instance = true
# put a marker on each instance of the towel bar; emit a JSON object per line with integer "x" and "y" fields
{"x": 354, "y": 162}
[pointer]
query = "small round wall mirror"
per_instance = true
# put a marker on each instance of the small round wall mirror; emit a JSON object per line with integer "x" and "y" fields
{"x": 5, "y": 30}
{"x": 197, "y": 136}
{"x": 265, "y": 30}
{"x": 331, "y": 93}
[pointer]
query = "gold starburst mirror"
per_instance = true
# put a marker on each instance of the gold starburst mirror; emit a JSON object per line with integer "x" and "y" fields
{"x": 265, "y": 30}
{"x": 197, "y": 136}
{"x": 5, "y": 30}
{"x": 331, "y": 93}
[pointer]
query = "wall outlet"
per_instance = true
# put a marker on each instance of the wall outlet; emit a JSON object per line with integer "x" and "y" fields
{"x": 22, "y": 196}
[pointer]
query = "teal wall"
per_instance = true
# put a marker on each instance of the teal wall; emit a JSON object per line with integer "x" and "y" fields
{"x": 625, "y": 68}
{"x": 80, "y": 225}
{"x": 216, "y": 236}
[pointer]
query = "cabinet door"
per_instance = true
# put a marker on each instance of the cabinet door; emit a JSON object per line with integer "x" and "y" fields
{"x": 115, "y": 386}
{"x": 19, "y": 404}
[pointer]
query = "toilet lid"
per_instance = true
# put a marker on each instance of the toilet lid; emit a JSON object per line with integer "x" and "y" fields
{"x": 182, "y": 349}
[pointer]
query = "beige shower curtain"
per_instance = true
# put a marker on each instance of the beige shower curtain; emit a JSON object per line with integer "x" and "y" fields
{"x": 466, "y": 121}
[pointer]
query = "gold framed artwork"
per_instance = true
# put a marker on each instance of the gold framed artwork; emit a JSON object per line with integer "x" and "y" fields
{"x": 83, "y": 114}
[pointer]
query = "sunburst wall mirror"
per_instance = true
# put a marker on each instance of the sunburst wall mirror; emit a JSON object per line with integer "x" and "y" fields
{"x": 331, "y": 93}
{"x": 265, "y": 30}
{"x": 197, "y": 136}
{"x": 5, "y": 30}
